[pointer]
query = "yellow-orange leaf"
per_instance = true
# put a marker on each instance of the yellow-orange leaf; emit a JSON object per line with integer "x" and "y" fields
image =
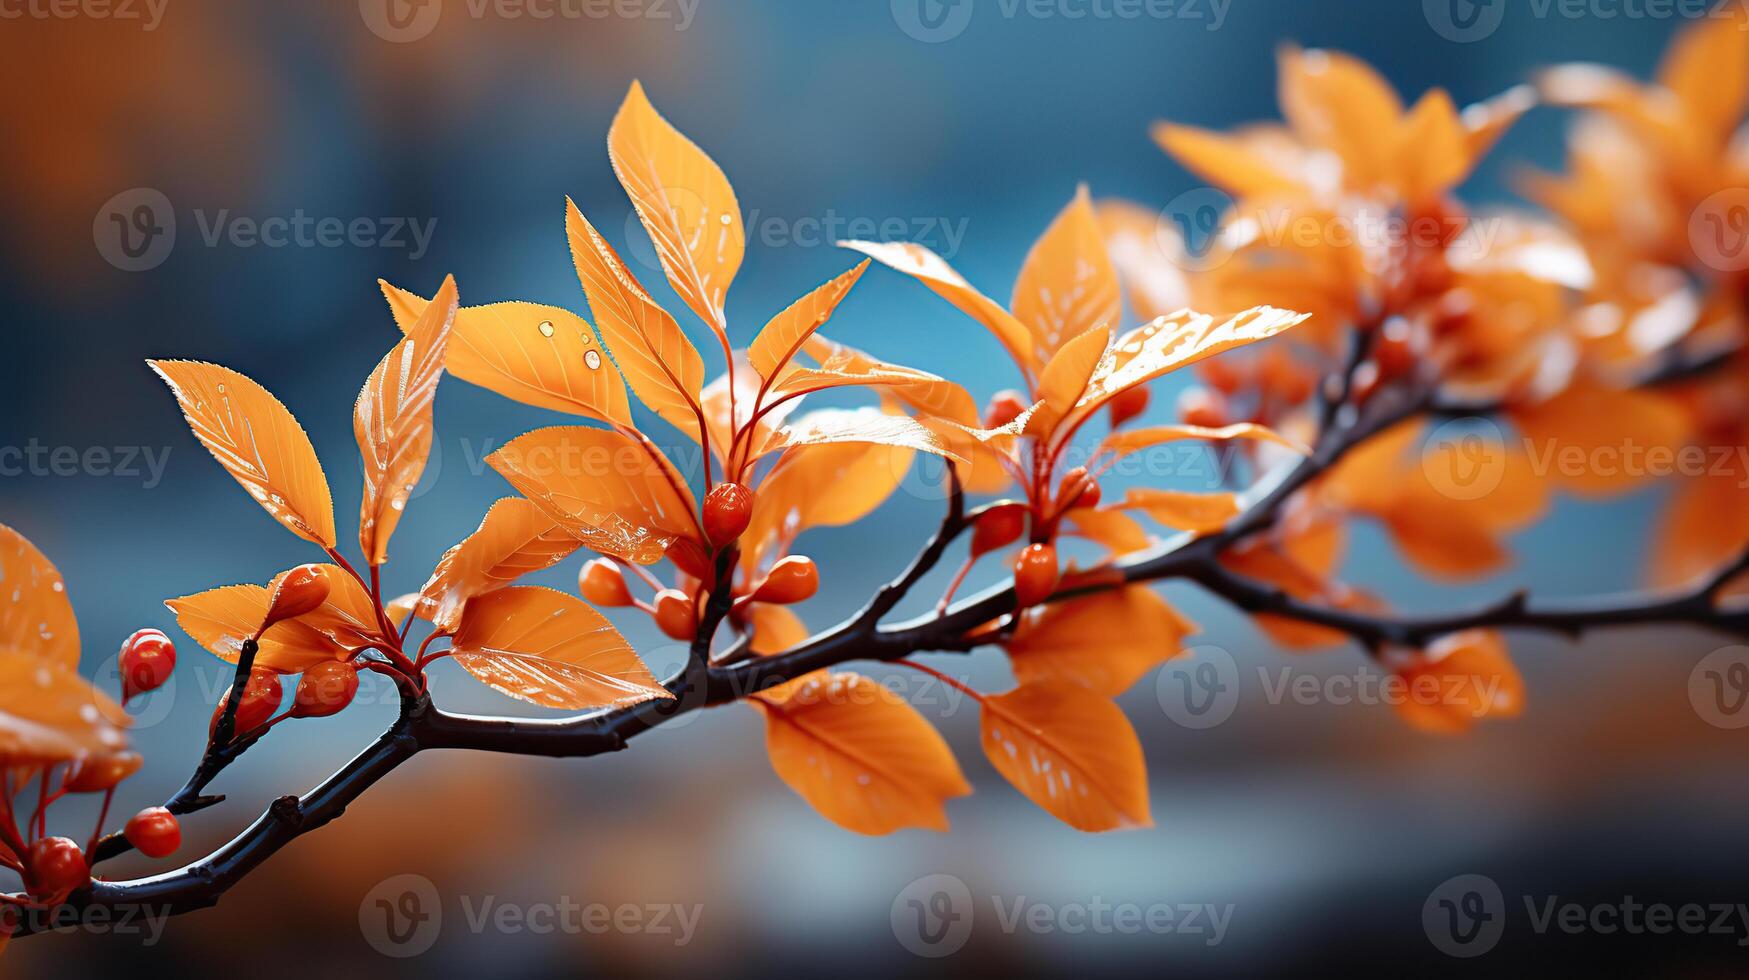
{"x": 662, "y": 365}
{"x": 783, "y": 336}
{"x": 1064, "y": 379}
{"x": 221, "y": 619}
{"x": 35, "y": 613}
{"x": 538, "y": 355}
{"x": 619, "y": 496}
{"x": 1070, "y": 751}
{"x": 842, "y": 366}
{"x": 1433, "y": 149}
{"x": 860, "y": 755}
{"x": 774, "y": 628}
{"x": 933, "y": 271}
{"x": 257, "y": 441}
{"x": 1176, "y": 341}
{"x": 392, "y": 421}
{"x": 515, "y": 539}
{"x": 1339, "y": 103}
{"x": 548, "y": 648}
{"x": 1105, "y": 642}
{"x": 684, "y": 201}
{"x": 1127, "y": 441}
{"x": 1202, "y": 512}
{"x": 834, "y": 426}
{"x": 827, "y": 486}
{"x": 1067, "y": 285}
{"x": 1116, "y": 531}
{"x": 1461, "y": 679}
{"x": 49, "y": 714}
{"x": 1225, "y": 161}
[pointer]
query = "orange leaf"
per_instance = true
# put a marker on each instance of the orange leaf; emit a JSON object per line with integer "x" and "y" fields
{"x": 775, "y": 628}
{"x": 1705, "y": 525}
{"x": 1202, "y": 512}
{"x": 684, "y": 201}
{"x": 661, "y": 364}
{"x": 1707, "y": 69}
{"x": 1118, "y": 532}
{"x": 1067, "y": 286}
{"x": 1461, "y": 679}
{"x": 933, "y": 271}
{"x": 836, "y": 426}
{"x": 258, "y": 442}
{"x": 547, "y": 648}
{"x": 221, "y": 619}
{"x": 1105, "y": 642}
{"x": 1064, "y": 380}
{"x": 49, "y": 714}
{"x": 842, "y": 366}
{"x": 1127, "y": 441}
{"x": 1226, "y": 161}
{"x": 392, "y": 421}
{"x": 1339, "y": 103}
{"x": 1070, "y": 751}
{"x": 1176, "y": 341}
{"x": 1598, "y": 426}
{"x": 783, "y": 336}
{"x": 620, "y": 496}
{"x": 1433, "y": 149}
{"x": 827, "y": 486}
{"x": 860, "y": 755}
{"x": 515, "y": 538}
{"x": 35, "y": 614}
{"x": 538, "y": 355}
{"x": 1155, "y": 282}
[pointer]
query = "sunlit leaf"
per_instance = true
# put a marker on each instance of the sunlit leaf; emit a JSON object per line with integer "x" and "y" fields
{"x": 663, "y": 367}
{"x": 35, "y": 614}
{"x": 684, "y": 201}
{"x": 1067, "y": 286}
{"x": 1070, "y": 751}
{"x": 827, "y": 486}
{"x": 538, "y": 355}
{"x": 1105, "y": 642}
{"x": 1461, "y": 679}
{"x": 1339, "y": 103}
{"x": 258, "y": 442}
{"x": 515, "y": 539}
{"x": 783, "y": 336}
{"x": 619, "y": 496}
{"x": 49, "y": 714}
{"x": 1176, "y": 341}
{"x": 834, "y": 426}
{"x": 843, "y": 366}
{"x": 221, "y": 619}
{"x": 860, "y": 755}
{"x": 1126, "y": 441}
{"x": 548, "y": 648}
{"x": 931, "y": 270}
{"x": 1065, "y": 378}
{"x": 392, "y": 421}
{"x": 1230, "y": 162}
{"x": 1183, "y": 511}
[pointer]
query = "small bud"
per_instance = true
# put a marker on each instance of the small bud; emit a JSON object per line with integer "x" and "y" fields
{"x": 1005, "y": 406}
{"x": 298, "y": 592}
{"x": 728, "y": 508}
{"x": 602, "y": 583}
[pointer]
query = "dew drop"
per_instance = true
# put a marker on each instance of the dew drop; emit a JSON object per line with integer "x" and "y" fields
{"x": 726, "y": 219}
{"x": 546, "y": 328}
{"x": 593, "y": 359}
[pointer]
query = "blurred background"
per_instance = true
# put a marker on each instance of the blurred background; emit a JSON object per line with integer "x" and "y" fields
{"x": 445, "y": 135}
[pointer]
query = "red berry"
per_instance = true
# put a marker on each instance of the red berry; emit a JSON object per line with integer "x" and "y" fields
{"x": 155, "y": 831}
{"x": 97, "y": 773}
{"x": 147, "y": 659}
{"x": 727, "y": 510}
{"x": 1090, "y": 495}
{"x": 261, "y": 697}
{"x": 791, "y": 580}
{"x": 674, "y": 615}
{"x": 1078, "y": 490}
{"x": 998, "y": 527}
{"x": 602, "y": 583}
{"x": 1127, "y": 404}
{"x": 1035, "y": 574}
{"x": 1005, "y": 406}
{"x": 1202, "y": 407}
{"x": 296, "y": 593}
{"x": 1393, "y": 351}
{"x": 324, "y": 690}
{"x": 54, "y": 867}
